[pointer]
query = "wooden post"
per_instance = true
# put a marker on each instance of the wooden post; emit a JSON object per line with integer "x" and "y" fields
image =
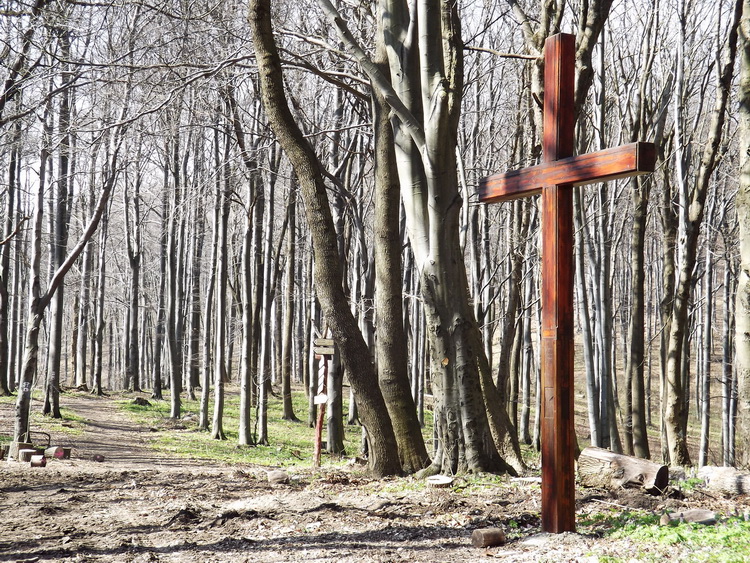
{"x": 554, "y": 179}
{"x": 557, "y": 439}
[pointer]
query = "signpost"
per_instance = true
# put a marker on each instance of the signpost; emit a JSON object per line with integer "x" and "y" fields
{"x": 324, "y": 348}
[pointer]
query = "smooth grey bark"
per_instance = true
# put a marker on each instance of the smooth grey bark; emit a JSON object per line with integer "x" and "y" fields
{"x": 208, "y": 304}
{"x": 742, "y": 303}
{"x": 133, "y": 246}
{"x": 173, "y": 334}
{"x": 9, "y": 233}
{"x": 161, "y": 307}
{"x": 704, "y": 392}
{"x": 194, "y": 296}
{"x": 248, "y": 273}
{"x": 85, "y": 324}
{"x": 223, "y": 200}
{"x": 99, "y": 320}
{"x": 289, "y": 301}
{"x": 729, "y": 380}
{"x": 691, "y": 220}
{"x": 59, "y": 241}
{"x": 391, "y": 341}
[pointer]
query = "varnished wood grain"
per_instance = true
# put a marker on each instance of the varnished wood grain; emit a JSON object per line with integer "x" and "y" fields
{"x": 554, "y": 179}
{"x": 600, "y": 166}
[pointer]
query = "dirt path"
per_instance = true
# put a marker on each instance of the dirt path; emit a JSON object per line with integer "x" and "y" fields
{"x": 141, "y": 506}
{"x": 111, "y": 433}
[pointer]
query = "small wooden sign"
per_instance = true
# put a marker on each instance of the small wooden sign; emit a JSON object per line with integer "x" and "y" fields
{"x": 320, "y": 399}
{"x": 326, "y": 342}
{"x": 324, "y": 350}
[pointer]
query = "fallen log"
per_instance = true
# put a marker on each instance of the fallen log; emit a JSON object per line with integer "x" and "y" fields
{"x": 598, "y": 467}
{"x": 694, "y": 516}
{"x": 726, "y": 481}
{"x": 38, "y": 461}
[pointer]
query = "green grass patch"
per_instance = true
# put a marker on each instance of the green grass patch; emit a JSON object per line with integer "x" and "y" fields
{"x": 726, "y": 542}
{"x": 291, "y": 443}
{"x": 70, "y": 423}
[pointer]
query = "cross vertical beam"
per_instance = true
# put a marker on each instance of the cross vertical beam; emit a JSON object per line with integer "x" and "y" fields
{"x": 554, "y": 179}
{"x": 557, "y": 437}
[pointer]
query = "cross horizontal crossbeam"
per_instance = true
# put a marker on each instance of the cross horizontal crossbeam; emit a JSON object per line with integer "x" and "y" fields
{"x": 600, "y": 166}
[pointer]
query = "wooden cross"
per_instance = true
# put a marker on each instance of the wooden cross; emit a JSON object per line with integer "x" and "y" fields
{"x": 554, "y": 179}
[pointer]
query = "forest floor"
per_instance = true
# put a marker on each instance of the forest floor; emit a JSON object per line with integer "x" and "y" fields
{"x": 141, "y": 505}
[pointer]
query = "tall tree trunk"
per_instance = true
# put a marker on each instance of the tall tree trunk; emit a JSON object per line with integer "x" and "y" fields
{"x": 693, "y": 209}
{"x": 133, "y": 239}
{"x": 636, "y": 437}
{"x": 742, "y": 304}
{"x": 288, "y": 330}
{"x": 59, "y": 243}
{"x": 8, "y": 234}
{"x": 99, "y": 322}
{"x": 391, "y": 341}
{"x": 206, "y": 369}
{"x": 173, "y": 336}
{"x": 705, "y": 390}
{"x": 328, "y": 274}
{"x": 223, "y": 200}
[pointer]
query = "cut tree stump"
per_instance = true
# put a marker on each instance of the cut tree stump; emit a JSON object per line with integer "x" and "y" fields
{"x": 25, "y": 454}
{"x": 725, "y": 480}
{"x": 598, "y": 467}
{"x": 15, "y": 447}
{"x": 56, "y": 452}
{"x": 487, "y": 537}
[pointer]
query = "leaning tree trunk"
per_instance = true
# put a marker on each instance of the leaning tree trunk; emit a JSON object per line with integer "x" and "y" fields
{"x": 38, "y": 302}
{"x": 327, "y": 270}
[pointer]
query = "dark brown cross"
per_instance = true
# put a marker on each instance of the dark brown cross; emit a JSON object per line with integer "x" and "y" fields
{"x": 554, "y": 179}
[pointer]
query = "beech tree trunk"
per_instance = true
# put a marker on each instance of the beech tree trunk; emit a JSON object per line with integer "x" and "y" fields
{"x": 383, "y": 458}
{"x": 692, "y": 217}
{"x": 391, "y": 350}
{"x": 742, "y": 305}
